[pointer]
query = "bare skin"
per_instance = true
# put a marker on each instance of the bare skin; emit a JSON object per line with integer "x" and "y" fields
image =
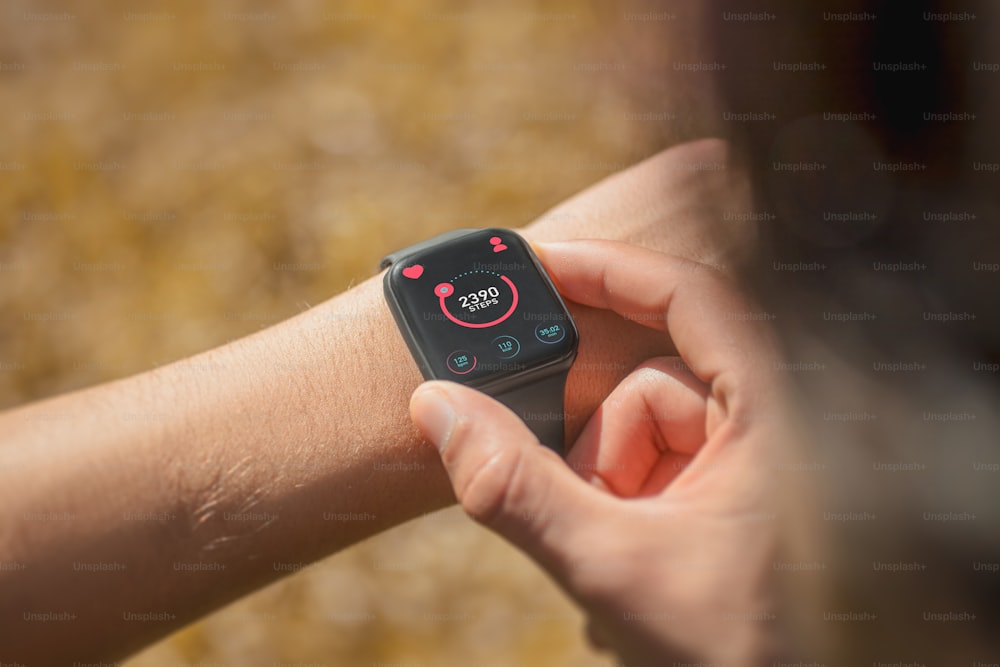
{"x": 130, "y": 509}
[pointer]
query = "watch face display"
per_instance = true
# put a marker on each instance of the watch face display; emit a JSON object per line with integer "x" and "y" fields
{"x": 478, "y": 309}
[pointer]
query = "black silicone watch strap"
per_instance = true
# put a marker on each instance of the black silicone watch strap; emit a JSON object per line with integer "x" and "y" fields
{"x": 540, "y": 404}
{"x": 394, "y": 257}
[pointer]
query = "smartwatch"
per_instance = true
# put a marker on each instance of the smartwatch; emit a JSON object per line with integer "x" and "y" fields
{"x": 476, "y": 307}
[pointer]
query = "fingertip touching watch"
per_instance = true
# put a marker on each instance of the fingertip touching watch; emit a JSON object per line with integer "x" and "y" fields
{"x": 475, "y": 306}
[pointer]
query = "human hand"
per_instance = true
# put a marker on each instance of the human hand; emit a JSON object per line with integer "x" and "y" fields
{"x": 668, "y": 539}
{"x": 675, "y": 202}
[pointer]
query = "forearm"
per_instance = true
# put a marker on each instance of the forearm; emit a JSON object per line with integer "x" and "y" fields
{"x": 201, "y": 480}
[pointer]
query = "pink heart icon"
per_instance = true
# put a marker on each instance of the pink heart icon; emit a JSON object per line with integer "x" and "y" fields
{"x": 413, "y": 272}
{"x": 499, "y": 247}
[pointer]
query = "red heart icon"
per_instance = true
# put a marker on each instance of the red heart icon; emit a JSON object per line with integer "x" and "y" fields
{"x": 413, "y": 272}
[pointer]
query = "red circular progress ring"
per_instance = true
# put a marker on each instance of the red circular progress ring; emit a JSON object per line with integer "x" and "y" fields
{"x": 484, "y": 325}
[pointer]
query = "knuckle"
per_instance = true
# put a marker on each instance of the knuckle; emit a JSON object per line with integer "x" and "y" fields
{"x": 458, "y": 438}
{"x": 492, "y": 489}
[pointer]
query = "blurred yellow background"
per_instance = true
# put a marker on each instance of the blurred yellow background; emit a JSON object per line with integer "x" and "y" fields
{"x": 178, "y": 174}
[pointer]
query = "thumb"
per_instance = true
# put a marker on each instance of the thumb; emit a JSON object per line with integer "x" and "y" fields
{"x": 503, "y": 477}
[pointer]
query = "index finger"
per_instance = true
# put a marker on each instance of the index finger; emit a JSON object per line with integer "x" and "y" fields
{"x": 712, "y": 325}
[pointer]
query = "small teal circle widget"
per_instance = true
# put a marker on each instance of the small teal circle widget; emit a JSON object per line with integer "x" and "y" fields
{"x": 550, "y": 333}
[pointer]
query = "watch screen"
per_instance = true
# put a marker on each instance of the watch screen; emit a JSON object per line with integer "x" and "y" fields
{"x": 479, "y": 308}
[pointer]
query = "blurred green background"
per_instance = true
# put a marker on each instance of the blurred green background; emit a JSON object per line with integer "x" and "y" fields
{"x": 178, "y": 174}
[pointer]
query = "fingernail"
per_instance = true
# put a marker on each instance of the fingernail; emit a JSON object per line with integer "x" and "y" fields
{"x": 540, "y": 247}
{"x": 433, "y": 414}
{"x": 549, "y": 245}
{"x": 544, "y": 250}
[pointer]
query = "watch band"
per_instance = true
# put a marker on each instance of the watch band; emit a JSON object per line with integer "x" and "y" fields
{"x": 541, "y": 403}
{"x": 394, "y": 257}
{"x": 541, "y": 406}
